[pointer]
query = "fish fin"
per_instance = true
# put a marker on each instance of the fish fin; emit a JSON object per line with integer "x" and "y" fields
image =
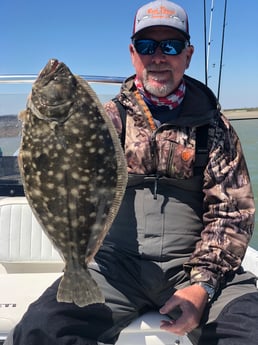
{"x": 22, "y": 115}
{"x": 80, "y": 288}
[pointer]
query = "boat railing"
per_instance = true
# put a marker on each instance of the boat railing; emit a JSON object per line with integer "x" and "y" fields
{"x": 30, "y": 78}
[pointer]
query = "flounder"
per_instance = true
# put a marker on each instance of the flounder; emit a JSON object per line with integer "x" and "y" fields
{"x": 73, "y": 171}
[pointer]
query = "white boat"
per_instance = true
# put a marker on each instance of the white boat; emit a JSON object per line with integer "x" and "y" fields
{"x": 29, "y": 263}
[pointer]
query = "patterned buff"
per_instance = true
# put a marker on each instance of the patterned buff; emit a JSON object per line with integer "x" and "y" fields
{"x": 172, "y": 101}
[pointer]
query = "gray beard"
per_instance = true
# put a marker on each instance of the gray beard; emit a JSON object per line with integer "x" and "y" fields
{"x": 161, "y": 91}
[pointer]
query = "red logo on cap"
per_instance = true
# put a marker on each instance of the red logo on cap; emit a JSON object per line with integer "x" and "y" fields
{"x": 161, "y": 12}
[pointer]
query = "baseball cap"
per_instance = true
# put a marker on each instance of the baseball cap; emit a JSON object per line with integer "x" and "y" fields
{"x": 161, "y": 12}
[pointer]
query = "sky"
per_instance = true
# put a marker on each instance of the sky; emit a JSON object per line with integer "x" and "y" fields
{"x": 92, "y": 38}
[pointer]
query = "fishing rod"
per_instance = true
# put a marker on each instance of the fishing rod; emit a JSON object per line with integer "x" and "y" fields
{"x": 222, "y": 48}
{"x": 207, "y": 44}
{"x": 209, "y": 37}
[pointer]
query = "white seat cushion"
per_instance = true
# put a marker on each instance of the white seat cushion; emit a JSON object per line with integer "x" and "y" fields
{"x": 23, "y": 243}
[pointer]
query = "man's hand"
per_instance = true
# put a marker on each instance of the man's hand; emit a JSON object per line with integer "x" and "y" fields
{"x": 192, "y": 301}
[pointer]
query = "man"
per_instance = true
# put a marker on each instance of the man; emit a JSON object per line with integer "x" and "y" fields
{"x": 187, "y": 216}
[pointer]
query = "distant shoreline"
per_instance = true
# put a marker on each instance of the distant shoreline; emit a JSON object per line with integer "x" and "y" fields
{"x": 10, "y": 126}
{"x": 241, "y": 113}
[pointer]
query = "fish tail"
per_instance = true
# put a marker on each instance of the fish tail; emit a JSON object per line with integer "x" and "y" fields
{"x": 80, "y": 288}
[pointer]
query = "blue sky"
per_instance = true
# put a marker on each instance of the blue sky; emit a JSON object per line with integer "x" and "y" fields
{"x": 92, "y": 38}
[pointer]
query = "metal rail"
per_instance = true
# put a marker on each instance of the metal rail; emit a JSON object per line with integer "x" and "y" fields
{"x": 30, "y": 78}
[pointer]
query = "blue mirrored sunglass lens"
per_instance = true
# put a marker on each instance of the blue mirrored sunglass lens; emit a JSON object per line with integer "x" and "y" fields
{"x": 172, "y": 47}
{"x": 168, "y": 47}
{"x": 145, "y": 47}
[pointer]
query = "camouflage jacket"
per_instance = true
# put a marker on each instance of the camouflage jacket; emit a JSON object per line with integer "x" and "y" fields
{"x": 169, "y": 150}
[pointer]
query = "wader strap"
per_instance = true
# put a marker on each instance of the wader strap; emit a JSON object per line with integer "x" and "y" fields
{"x": 193, "y": 184}
{"x": 122, "y": 113}
{"x": 201, "y": 153}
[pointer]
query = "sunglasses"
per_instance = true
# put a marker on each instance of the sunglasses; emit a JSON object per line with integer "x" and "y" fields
{"x": 168, "y": 47}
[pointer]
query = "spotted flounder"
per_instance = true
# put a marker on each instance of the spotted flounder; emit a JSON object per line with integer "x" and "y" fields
{"x": 73, "y": 171}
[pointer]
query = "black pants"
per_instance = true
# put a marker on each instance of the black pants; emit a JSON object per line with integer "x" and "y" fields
{"x": 132, "y": 286}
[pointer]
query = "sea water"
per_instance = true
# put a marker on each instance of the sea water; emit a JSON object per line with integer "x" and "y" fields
{"x": 247, "y": 131}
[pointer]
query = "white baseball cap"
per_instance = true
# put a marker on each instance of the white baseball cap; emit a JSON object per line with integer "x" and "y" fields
{"x": 161, "y": 13}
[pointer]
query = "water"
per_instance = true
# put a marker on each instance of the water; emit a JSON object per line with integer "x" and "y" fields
{"x": 9, "y": 145}
{"x": 247, "y": 131}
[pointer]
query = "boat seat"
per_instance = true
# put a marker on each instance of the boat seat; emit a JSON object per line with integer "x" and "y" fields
{"x": 250, "y": 262}
{"x": 26, "y": 248}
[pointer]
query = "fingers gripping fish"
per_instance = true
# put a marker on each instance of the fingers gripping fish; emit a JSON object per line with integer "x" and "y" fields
{"x": 73, "y": 171}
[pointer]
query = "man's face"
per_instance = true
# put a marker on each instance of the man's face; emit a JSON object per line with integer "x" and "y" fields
{"x": 159, "y": 73}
